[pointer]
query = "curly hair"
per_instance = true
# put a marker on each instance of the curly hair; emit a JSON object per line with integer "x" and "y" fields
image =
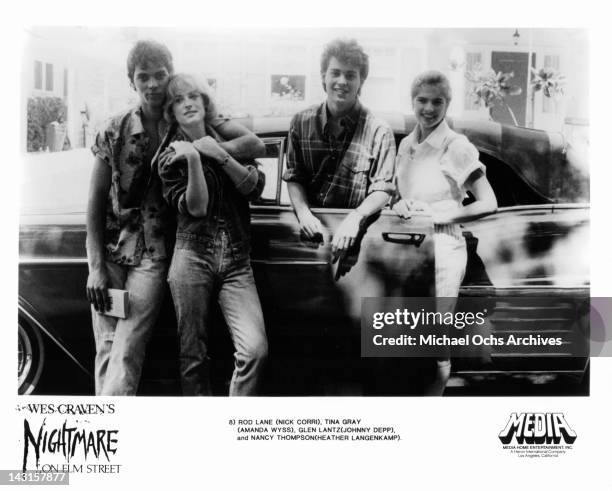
{"x": 432, "y": 77}
{"x": 181, "y": 82}
{"x": 347, "y": 51}
{"x": 146, "y": 53}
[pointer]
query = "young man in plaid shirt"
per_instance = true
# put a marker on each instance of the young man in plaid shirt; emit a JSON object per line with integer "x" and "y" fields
{"x": 339, "y": 154}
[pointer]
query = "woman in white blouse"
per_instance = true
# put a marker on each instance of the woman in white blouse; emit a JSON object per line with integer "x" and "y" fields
{"x": 435, "y": 167}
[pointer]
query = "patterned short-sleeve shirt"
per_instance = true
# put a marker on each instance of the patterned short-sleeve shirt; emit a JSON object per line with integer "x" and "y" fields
{"x": 137, "y": 217}
{"x": 340, "y": 171}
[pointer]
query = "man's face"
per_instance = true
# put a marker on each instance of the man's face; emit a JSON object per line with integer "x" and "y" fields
{"x": 150, "y": 84}
{"x": 341, "y": 83}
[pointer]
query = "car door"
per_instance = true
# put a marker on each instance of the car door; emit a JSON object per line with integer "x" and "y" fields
{"x": 311, "y": 302}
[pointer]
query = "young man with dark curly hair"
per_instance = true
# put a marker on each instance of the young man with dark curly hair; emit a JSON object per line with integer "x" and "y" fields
{"x": 339, "y": 154}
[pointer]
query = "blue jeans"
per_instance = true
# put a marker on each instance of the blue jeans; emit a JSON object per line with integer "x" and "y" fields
{"x": 195, "y": 273}
{"x": 121, "y": 343}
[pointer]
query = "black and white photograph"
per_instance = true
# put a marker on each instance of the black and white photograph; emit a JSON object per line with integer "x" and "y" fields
{"x": 369, "y": 244}
{"x": 476, "y": 185}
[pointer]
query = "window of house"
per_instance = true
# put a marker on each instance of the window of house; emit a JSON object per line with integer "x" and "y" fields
{"x": 38, "y": 75}
{"x": 65, "y": 82}
{"x": 48, "y": 77}
{"x": 472, "y": 61}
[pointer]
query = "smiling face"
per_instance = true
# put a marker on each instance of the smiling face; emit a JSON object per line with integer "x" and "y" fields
{"x": 150, "y": 84}
{"x": 430, "y": 107}
{"x": 342, "y": 83}
{"x": 188, "y": 106}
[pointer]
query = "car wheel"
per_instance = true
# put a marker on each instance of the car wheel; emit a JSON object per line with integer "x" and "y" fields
{"x": 30, "y": 357}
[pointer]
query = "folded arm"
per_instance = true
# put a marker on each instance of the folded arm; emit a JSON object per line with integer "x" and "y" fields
{"x": 485, "y": 201}
{"x": 248, "y": 179}
{"x": 240, "y": 143}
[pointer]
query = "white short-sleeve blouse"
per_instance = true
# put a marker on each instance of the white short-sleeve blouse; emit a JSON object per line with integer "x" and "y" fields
{"x": 435, "y": 170}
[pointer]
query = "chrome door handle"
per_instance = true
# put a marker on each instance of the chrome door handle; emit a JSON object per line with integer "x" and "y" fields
{"x": 404, "y": 238}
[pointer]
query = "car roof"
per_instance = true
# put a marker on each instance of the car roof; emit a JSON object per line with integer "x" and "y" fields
{"x": 58, "y": 183}
{"x": 537, "y": 157}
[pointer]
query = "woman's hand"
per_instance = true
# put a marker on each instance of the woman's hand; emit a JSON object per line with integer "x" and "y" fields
{"x": 183, "y": 149}
{"x": 401, "y": 209}
{"x": 407, "y": 208}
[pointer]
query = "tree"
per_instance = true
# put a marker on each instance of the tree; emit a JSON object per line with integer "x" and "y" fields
{"x": 43, "y": 111}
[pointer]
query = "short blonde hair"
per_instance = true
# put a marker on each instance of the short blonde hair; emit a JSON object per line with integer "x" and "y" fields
{"x": 432, "y": 77}
{"x": 185, "y": 81}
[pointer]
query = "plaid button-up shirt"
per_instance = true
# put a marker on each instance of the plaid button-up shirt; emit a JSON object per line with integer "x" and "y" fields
{"x": 339, "y": 172}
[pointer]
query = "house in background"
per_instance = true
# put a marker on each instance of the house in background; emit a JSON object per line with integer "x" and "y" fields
{"x": 244, "y": 64}
{"x": 85, "y": 68}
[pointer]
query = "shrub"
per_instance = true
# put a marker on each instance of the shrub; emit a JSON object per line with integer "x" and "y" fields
{"x": 41, "y": 112}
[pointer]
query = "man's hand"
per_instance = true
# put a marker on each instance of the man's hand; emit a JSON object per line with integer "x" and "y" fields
{"x": 209, "y": 147}
{"x": 346, "y": 234}
{"x": 310, "y": 226}
{"x": 97, "y": 289}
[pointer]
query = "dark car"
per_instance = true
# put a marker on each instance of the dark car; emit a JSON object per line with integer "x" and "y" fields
{"x": 532, "y": 248}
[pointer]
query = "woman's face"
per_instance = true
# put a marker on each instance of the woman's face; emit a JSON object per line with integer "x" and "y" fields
{"x": 430, "y": 106}
{"x": 188, "y": 106}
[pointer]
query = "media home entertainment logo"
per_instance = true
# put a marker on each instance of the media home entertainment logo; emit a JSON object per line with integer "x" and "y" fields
{"x": 537, "y": 435}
